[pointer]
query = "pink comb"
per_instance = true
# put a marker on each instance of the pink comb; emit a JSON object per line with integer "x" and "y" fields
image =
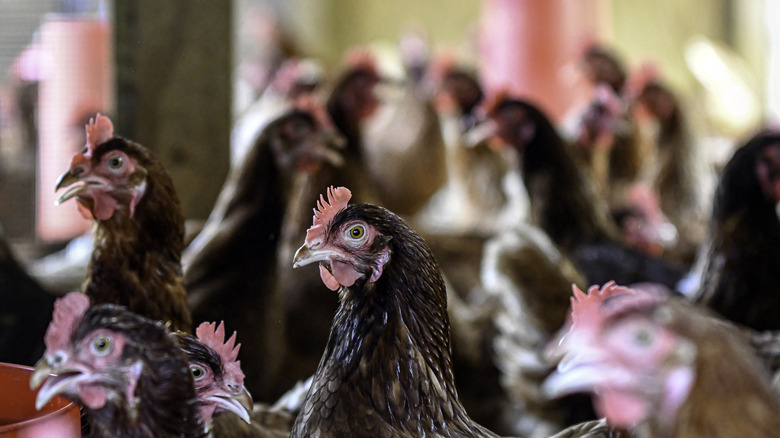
{"x": 641, "y": 78}
{"x": 213, "y": 336}
{"x": 99, "y": 130}
{"x": 68, "y": 311}
{"x": 311, "y": 105}
{"x": 326, "y": 211}
{"x": 361, "y": 59}
{"x": 586, "y": 309}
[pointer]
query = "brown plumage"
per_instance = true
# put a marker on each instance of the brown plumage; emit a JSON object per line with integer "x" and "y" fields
{"x": 403, "y": 147}
{"x": 139, "y": 226}
{"x": 678, "y": 176}
{"x": 743, "y": 245}
{"x": 127, "y": 371}
{"x": 387, "y": 368}
{"x": 564, "y": 204}
{"x": 663, "y": 366}
{"x": 243, "y": 235}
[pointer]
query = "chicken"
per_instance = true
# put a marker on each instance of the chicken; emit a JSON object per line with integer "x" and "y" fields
{"x": 475, "y": 197}
{"x": 387, "y": 368}
{"x": 24, "y": 313}
{"x": 673, "y": 166}
{"x": 605, "y": 136}
{"x": 139, "y": 226}
{"x": 403, "y": 148}
{"x": 528, "y": 276}
{"x": 242, "y": 236}
{"x": 216, "y": 372}
{"x": 127, "y": 371}
{"x": 742, "y": 249}
{"x": 564, "y": 204}
{"x": 662, "y": 366}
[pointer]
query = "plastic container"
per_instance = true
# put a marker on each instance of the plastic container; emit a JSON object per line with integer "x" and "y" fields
{"x": 60, "y": 418}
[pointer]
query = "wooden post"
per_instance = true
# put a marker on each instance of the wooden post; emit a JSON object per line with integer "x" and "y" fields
{"x": 174, "y": 87}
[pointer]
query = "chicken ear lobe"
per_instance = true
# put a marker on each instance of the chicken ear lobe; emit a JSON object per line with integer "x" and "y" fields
{"x": 381, "y": 261}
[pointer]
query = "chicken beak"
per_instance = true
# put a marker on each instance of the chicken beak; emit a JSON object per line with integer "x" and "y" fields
{"x": 306, "y": 256}
{"x": 67, "y": 179}
{"x": 240, "y": 404}
{"x": 55, "y": 381}
{"x": 42, "y": 371}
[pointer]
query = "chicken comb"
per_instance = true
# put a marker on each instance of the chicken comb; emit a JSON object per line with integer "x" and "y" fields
{"x": 643, "y": 76}
{"x": 587, "y": 309}
{"x": 68, "y": 311}
{"x": 99, "y": 130}
{"x": 491, "y": 102}
{"x": 361, "y": 59}
{"x": 213, "y": 336}
{"x": 325, "y": 212}
{"x": 442, "y": 65}
{"x": 309, "y": 104}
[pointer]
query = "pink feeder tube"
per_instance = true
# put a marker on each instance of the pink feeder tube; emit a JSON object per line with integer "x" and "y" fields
{"x": 76, "y": 81}
{"x": 529, "y": 48}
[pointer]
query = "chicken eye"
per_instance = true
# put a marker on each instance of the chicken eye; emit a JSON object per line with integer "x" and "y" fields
{"x": 356, "y": 232}
{"x": 643, "y": 338}
{"x": 115, "y": 163}
{"x": 101, "y": 346}
{"x": 197, "y": 372}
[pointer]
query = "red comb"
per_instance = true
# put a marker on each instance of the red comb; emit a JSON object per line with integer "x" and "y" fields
{"x": 213, "y": 336}
{"x": 99, "y": 130}
{"x": 311, "y": 105}
{"x": 68, "y": 311}
{"x": 326, "y": 211}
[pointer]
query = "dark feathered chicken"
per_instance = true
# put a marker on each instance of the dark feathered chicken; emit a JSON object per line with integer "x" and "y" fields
{"x": 242, "y": 235}
{"x": 662, "y": 365}
{"x": 217, "y": 375}
{"x": 139, "y": 226}
{"x": 127, "y": 371}
{"x": 678, "y": 176}
{"x": 743, "y": 245}
{"x": 563, "y": 203}
{"x": 387, "y": 368}
{"x": 25, "y": 311}
{"x": 218, "y": 380}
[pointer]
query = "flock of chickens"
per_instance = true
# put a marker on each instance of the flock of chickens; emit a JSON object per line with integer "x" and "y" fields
{"x": 453, "y": 227}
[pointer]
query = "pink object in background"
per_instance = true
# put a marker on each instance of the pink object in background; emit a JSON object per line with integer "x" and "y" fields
{"x": 530, "y": 47}
{"x": 76, "y": 83}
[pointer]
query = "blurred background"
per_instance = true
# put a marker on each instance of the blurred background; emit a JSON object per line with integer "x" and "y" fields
{"x": 175, "y": 75}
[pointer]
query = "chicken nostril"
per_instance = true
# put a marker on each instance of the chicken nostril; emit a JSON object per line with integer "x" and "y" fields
{"x": 57, "y": 359}
{"x": 77, "y": 171}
